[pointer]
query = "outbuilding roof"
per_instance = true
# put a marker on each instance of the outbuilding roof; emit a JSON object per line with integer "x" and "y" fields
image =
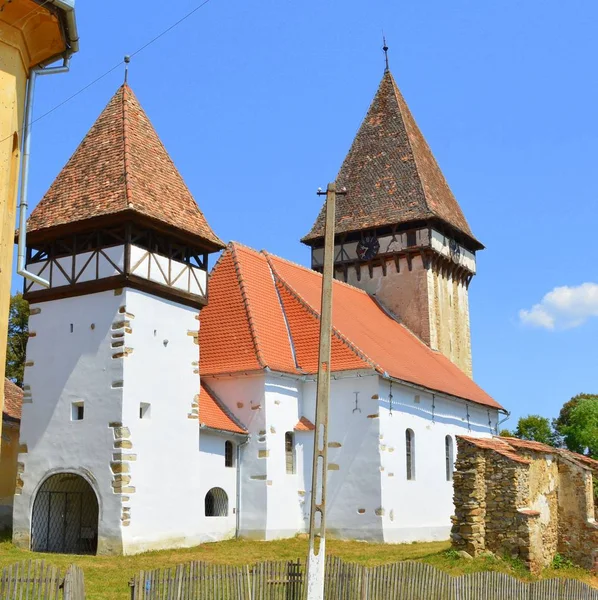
{"x": 512, "y": 448}
{"x": 390, "y": 174}
{"x": 13, "y": 400}
{"x": 121, "y": 168}
{"x": 264, "y": 312}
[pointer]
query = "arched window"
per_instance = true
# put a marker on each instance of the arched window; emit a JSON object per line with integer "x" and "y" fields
{"x": 410, "y": 453}
{"x": 289, "y": 451}
{"x": 228, "y": 454}
{"x": 216, "y": 503}
{"x": 448, "y": 457}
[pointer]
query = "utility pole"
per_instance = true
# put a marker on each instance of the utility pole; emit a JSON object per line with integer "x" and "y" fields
{"x": 316, "y": 558}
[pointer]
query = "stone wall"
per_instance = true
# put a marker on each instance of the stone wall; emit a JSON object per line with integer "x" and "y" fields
{"x": 526, "y": 500}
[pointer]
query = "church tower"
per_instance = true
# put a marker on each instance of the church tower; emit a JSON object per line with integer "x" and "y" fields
{"x": 109, "y": 448}
{"x": 400, "y": 234}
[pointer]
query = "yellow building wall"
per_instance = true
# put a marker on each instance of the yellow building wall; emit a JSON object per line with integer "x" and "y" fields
{"x": 13, "y": 81}
{"x": 8, "y": 471}
{"x": 29, "y": 35}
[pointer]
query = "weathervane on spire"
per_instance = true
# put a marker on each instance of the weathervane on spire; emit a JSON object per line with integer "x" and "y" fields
{"x": 127, "y": 61}
{"x": 385, "y": 48}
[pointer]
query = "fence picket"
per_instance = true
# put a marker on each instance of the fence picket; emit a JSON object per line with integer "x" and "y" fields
{"x": 285, "y": 580}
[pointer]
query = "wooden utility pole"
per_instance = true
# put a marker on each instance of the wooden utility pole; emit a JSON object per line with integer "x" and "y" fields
{"x": 316, "y": 558}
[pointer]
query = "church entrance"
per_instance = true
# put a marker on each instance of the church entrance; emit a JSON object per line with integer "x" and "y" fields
{"x": 65, "y": 516}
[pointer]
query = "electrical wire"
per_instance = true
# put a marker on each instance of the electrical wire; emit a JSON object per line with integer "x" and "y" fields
{"x": 138, "y": 51}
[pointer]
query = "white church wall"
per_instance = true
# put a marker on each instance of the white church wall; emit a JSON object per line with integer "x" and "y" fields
{"x": 420, "y": 509}
{"x": 245, "y": 397}
{"x": 69, "y": 359}
{"x": 162, "y": 491}
{"x": 285, "y": 491}
{"x": 214, "y": 474}
{"x": 354, "y": 492}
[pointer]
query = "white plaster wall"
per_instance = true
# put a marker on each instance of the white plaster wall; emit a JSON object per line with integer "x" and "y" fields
{"x": 214, "y": 473}
{"x": 245, "y": 397}
{"x": 420, "y": 509}
{"x": 285, "y": 492}
{"x": 355, "y": 485}
{"x": 162, "y": 369}
{"x": 69, "y": 367}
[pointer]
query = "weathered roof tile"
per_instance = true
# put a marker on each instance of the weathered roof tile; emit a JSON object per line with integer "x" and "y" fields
{"x": 390, "y": 174}
{"x": 121, "y": 165}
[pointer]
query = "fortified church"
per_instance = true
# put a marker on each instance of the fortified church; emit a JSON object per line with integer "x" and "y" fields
{"x": 156, "y": 414}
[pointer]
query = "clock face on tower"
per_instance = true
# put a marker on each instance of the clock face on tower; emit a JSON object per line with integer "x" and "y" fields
{"x": 368, "y": 247}
{"x": 455, "y": 251}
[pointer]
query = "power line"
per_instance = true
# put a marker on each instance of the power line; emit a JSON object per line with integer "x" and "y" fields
{"x": 138, "y": 51}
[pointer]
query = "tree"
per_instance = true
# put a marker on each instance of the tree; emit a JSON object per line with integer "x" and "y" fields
{"x": 18, "y": 334}
{"x": 536, "y": 429}
{"x": 506, "y": 433}
{"x": 562, "y": 424}
{"x": 581, "y": 431}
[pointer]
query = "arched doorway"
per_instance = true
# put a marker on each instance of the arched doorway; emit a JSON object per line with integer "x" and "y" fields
{"x": 65, "y": 516}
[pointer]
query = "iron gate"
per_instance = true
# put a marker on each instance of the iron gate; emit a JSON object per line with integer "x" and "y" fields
{"x": 65, "y": 516}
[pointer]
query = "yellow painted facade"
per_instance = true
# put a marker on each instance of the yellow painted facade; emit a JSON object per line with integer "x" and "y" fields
{"x": 8, "y": 470}
{"x": 30, "y": 34}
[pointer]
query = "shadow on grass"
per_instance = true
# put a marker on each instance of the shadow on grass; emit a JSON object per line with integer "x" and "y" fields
{"x": 5, "y": 536}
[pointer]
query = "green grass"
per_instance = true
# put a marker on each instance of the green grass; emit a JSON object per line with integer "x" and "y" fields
{"x": 107, "y": 577}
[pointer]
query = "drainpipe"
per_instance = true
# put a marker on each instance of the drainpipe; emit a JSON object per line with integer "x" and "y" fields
{"x": 27, "y": 121}
{"x": 499, "y": 423}
{"x": 238, "y": 501}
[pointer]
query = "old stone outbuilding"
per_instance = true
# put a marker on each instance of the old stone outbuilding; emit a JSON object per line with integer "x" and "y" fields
{"x": 525, "y": 499}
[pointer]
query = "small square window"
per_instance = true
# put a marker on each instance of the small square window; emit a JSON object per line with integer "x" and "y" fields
{"x": 145, "y": 410}
{"x": 77, "y": 411}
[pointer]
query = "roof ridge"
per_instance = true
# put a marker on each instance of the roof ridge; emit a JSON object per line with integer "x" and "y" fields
{"x": 126, "y": 147}
{"x": 252, "y": 330}
{"x": 223, "y": 406}
{"x": 319, "y": 275}
{"x": 398, "y": 97}
{"x": 341, "y": 337}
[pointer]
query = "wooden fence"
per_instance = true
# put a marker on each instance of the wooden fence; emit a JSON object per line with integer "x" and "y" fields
{"x": 344, "y": 581}
{"x": 36, "y": 580}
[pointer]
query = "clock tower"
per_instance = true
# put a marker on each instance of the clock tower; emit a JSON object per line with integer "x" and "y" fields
{"x": 400, "y": 233}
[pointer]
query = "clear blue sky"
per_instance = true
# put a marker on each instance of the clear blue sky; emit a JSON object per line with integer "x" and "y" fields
{"x": 258, "y": 102}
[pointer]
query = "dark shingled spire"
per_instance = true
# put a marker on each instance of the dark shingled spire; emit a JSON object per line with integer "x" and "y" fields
{"x": 121, "y": 167}
{"x": 391, "y": 175}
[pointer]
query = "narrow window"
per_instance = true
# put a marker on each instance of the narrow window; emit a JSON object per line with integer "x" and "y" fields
{"x": 411, "y": 239}
{"x": 228, "y": 454}
{"x": 145, "y": 410}
{"x": 410, "y": 454}
{"x": 289, "y": 451}
{"x": 216, "y": 503}
{"x": 448, "y": 457}
{"x": 77, "y": 411}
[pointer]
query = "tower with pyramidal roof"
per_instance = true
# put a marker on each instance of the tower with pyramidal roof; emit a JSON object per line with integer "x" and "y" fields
{"x": 400, "y": 233}
{"x": 110, "y": 411}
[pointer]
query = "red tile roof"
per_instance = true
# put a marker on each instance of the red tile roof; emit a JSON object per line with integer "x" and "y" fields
{"x": 304, "y": 424}
{"x": 511, "y": 448}
{"x": 13, "y": 400}
{"x": 121, "y": 166}
{"x": 264, "y": 311}
{"x": 390, "y": 174}
{"x": 214, "y": 414}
